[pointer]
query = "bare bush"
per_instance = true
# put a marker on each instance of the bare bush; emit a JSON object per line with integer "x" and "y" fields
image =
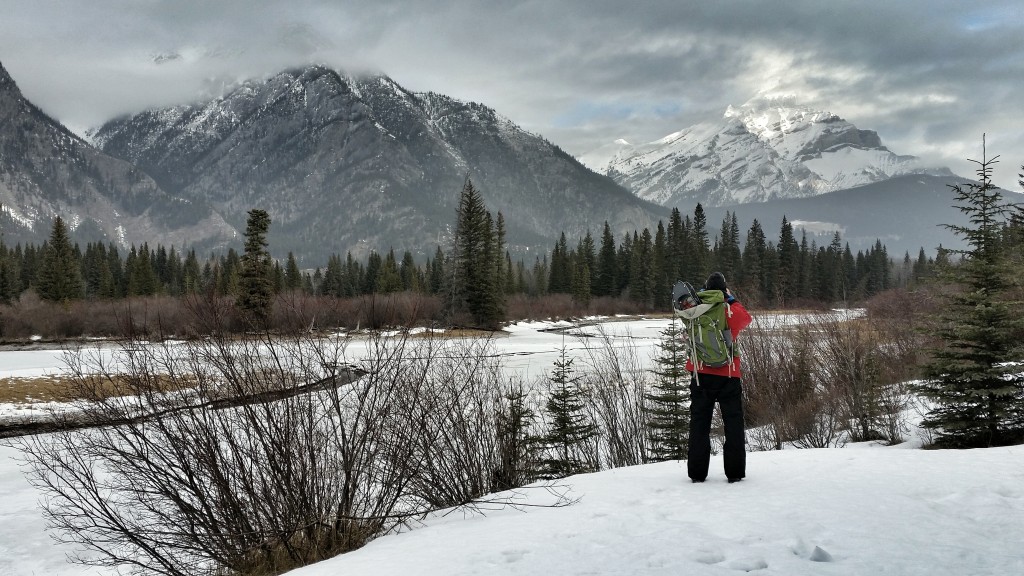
{"x": 865, "y": 362}
{"x": 785, "y": 401}
{"x": 245, "y": 456}
{"x": 268, "y": 456}
{"x": 458, "y": 414}
{"x": 828, "y": 379}
{"x": 617, "y": 386}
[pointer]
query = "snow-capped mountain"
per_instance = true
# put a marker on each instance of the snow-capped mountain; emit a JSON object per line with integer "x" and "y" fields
{"x": 45, "y": 171}
{"x": 769, "y": 148}
{"x": 353, "y": 163}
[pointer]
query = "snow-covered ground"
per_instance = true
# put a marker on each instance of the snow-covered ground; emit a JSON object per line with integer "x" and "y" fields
{"x": 863, "y": 509}
{"x": 830, "y": 511}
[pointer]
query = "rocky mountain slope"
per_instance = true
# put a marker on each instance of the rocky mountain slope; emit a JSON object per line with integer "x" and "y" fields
{"x": 45, "y": 170}
{"x": 357, "y": 163}
{"x": 767, "y": 149}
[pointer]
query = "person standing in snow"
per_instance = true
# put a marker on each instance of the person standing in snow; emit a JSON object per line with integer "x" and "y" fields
{"x": 709, "y": 385}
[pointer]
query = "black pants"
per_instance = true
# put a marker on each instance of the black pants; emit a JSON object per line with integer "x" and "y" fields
{"x": 728, "y": 392}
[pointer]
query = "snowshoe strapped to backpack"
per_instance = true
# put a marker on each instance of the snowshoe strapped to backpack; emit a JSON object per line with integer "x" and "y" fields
{"x": 704, "y": 315}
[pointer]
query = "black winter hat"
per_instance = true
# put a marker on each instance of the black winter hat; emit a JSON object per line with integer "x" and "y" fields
{"x": 716, "y": 282}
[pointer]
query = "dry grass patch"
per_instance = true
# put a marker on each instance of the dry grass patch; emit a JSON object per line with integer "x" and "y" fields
{"x": 60, "y": 388}
{"x": 35, "y": 389}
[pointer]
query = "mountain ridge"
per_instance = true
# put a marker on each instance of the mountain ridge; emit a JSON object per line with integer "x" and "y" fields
{"x": 767, "y": 149}
{"x": 46, "y": 170}
{"x": 367, "y": 164}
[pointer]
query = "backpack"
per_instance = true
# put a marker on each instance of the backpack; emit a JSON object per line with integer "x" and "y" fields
{"x": 704, "y": 317}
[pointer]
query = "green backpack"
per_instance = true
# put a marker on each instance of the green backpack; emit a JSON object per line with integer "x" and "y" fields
{"x": 711, "y": 342}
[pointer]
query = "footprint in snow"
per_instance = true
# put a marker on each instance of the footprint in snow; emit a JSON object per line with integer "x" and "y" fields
{"x": 709, "y": 557}
{"x": 748, "y": 564}
{"x": 512, "y": 556}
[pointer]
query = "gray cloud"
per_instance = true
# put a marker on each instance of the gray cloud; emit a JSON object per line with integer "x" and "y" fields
{"x": 929, "y": 75}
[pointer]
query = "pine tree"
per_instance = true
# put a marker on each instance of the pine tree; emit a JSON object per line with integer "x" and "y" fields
{"x": 292, "y": 275}
{"x": 641, "y": 277}
{"x": 8, "y": 276}
{"x": 752, "y": 275}
{"x": 677, "y": 239}
{"x": 570, "y": 432}
{"x": 390, "y": 279}
{"x": 191, "y": 274}
{"x": 607, "y": 267}
{"x": 700, "y": 251}
{"x": 560, "y": 280}
{"x": 518, "y": 447}
{"x": 256, "y": 297}
{"x": 586, "y": 253}
{"x": 60, "y": 276}
{"x": 973, "y": 380}
{"x": 476, "y": 257}
{"x": 787, "y": 273}
{"x": 662, "y": 287}
{"x": 668, "y": 405}
{"x": 142, "y": 276}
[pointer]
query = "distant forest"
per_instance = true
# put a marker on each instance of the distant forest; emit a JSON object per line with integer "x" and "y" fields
{"x": 639, "y": 267}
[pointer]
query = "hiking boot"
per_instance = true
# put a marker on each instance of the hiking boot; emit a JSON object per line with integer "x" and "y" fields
{"x": 731, "y": 480}
{"x": 696, "y": 481}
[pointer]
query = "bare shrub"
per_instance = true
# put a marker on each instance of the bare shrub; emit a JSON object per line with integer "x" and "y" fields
{"x": 785, "y": 401}
{"x": 808, "y": 382}
{"x": 457, "y": 415}
{"x": 864, "y": 362}
{"x": 270, "y": 458}
{"x": 617, "y": 386}
{"x": 257, "y": 455}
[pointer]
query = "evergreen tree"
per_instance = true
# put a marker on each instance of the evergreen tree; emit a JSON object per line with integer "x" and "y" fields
{"x": 662, "y": 288}
{"x": 371, "y": 277}
{"x": 292, "y": 275}
{"x": 700, "y": 251}
{"x": 518, "y": 447}
{"x": 974, "y": 382}
{"x": 390, "y": 279}
{"x": 570, "y": 431}
{"x": 787, "y": 273}
{"x": 408, "y": 273}
{"x": 586, "y": 252}
{"x": 560, "y": 280}
{"x": 475, "y": 260}
{"x": 142, "y": 276}
{"x": 668, "y": 405}
{"x": 191, "y": 274}
{"x": 607, "y": 267}
{"x": 256, "y": 297}
{"x": 581, "y": 283}
{"x": 624, "y": 257}
{"x": 677, "y": 239}
{"x": 60, "y": 276}
{"x": 8, "y": 276}
{"x": 497, "y": 251}
{"x": 437, "y": 268}
{"x": 728, "y": 257}
{"x": 752, "y": 274}
{"x": 227, "y": 273}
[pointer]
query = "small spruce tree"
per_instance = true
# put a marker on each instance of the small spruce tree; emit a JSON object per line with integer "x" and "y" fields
{"x": 668, "y": 406}
{"x": 518, "y": 446}
{"x": 570, "y": 431}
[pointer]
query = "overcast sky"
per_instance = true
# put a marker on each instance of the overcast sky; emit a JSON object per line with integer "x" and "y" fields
{"x": 930, "y": 76}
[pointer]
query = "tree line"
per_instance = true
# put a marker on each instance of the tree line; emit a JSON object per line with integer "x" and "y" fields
{"x": 476, "y": 272}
